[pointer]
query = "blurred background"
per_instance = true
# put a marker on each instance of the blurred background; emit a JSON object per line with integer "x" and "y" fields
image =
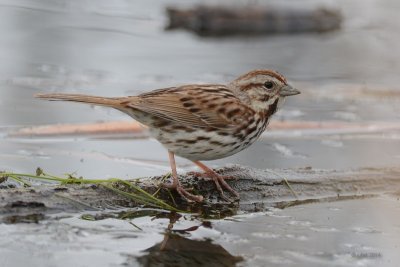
{"x": 348, "y": 76}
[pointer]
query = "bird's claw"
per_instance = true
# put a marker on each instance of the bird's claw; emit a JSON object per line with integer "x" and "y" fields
{"x": 189, "y": 197}
{"x": 220, "y": 183}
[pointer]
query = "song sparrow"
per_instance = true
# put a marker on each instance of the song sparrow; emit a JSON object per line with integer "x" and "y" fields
{"x": 202, "y": 121}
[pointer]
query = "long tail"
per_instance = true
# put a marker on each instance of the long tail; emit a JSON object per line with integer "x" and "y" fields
{"x": 97, "y": 100}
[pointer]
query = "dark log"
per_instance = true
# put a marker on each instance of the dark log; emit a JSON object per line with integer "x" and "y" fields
{"x": 252, "y": 20}
{"x": 259, "y": 189}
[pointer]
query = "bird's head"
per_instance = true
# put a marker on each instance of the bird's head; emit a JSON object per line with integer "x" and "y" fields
{"x": 263, "y": 90}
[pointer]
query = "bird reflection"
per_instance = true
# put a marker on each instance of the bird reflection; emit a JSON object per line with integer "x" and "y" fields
{"x": 176, "y": 250}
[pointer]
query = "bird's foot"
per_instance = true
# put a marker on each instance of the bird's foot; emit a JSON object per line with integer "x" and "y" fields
{"x": 189, "y": 197}
{"x": 220, "y": 183}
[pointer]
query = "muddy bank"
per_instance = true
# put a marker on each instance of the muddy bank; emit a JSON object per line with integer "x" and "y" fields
{"x": 259, "y": 189}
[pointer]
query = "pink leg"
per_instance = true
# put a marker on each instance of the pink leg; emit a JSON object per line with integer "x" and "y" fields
{"x": 218, "y": 179}
{"x": 177, "y": 185}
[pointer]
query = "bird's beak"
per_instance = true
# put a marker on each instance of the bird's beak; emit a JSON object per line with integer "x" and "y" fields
{"x": 288, "y": 90}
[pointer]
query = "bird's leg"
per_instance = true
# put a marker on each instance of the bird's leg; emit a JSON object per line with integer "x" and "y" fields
{"x": 175, "y": 181}
{"x": 218, "y": 179}
{"x": 177, "y": 185}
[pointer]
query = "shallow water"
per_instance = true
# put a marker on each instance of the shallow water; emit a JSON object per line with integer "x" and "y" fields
{"x": 312, "y": 235}
{"x": 120, "y": 48}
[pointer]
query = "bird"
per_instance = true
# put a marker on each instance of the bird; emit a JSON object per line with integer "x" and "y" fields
{"x": 202, "y": 122}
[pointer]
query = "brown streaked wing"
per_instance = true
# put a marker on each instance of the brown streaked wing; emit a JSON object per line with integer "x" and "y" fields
{"x": 187, "y": 105}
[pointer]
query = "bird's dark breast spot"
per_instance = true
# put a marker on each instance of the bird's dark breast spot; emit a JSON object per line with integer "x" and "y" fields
{"x": 272, "y": 108}
{"x": 242, "y": 128}
{"x": 207, "y": 150}
{"x": 240, "y": 136}
{"x": 187, "y": 141}
{"x": 245, "y": 144}
{"x": 260, "y": 131}
{"x": 251, "y": 130}
{"x": 223, "y": 133}
{"x": 203, "y": 138}
{"x": 232, "y": 144}
{"x": 236, "y": 147}
{"x": 216, "y": 143}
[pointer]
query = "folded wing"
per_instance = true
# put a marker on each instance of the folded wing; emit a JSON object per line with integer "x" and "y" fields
{"x": 196, "y": 106}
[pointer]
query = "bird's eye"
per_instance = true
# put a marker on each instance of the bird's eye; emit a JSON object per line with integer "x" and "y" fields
{"x": 268, "y": 85}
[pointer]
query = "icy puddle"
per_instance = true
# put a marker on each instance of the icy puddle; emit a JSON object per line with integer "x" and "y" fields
{"x": 348, "y": 233}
